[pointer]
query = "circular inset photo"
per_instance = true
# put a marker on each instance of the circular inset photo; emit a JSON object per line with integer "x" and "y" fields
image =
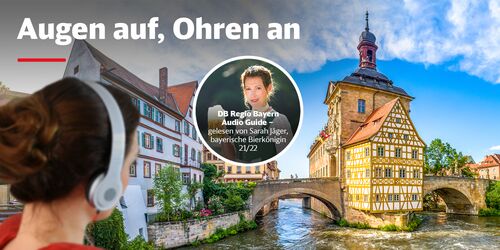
{"x": 248, "y": 110}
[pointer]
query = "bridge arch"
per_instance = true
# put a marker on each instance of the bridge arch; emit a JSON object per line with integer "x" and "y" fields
{"x": 461, "y": 195}
{"x": 456, "y": 201}
{"x": 313, "y": 193}
{"x": 326, "y": 190}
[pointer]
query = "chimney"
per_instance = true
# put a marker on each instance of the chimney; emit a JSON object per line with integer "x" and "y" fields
{"x": 163, "y": 83}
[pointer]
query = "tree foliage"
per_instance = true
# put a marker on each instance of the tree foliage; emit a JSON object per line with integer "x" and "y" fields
{"x": 192, "y": 190}
{"x": 233, "y": 195}
{"x": 210, "y": 188}
{"x": 168, "y": 190}
{"x": 441, "y": 156}
{"x": 493, "y": 195}
{"x": 234, "y": 202}
{"x": 109, "y": 233}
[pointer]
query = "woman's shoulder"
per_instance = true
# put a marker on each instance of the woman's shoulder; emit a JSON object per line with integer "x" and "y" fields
{"x": 9, "y": 228}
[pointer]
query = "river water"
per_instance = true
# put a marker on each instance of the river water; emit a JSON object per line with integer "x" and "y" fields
{"x": 292, "y": 227}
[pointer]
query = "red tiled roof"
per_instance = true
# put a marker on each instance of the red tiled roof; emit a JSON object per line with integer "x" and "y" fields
{"x": 120, "y": 71}
{"x": 496, "y": 157}
{"x": 182, "y": 94}
{"x": 373, "y": 123}
{"x": 490, "y": 161}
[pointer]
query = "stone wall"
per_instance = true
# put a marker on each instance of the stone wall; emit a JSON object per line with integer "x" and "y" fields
{"x": 319, "y": 207}
{"x": 175, "y": 234}
{"x": 266, "y": 209}
{"x": 350, "y": 118}
{"x": 377, "y": 220}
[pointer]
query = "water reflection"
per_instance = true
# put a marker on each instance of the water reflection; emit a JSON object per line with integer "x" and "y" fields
{"x": 441, "y": 218}
{"x": 292, "y": 227}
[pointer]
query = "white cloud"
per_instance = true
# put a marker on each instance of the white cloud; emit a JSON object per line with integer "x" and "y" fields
{"x": 463, "y": 34}
{"x": 495, "y": 148}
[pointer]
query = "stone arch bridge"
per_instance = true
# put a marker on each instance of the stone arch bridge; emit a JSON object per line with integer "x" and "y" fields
{"x": 327, "y": 190}
{"x": 461, "y": 195}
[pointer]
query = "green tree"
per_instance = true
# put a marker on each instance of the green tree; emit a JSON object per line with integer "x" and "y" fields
{"x": 457, "y": 161}
{"x": 437, "y": 155}
{"x": 167, "y": 190}
{"x": 467, "y": 172}
{"x": 210, "y": 187}
{"x": 192, "y": 190}
{"x": 493, "y": 195}
{"x": 139, "y": 243}
{"x": 109, "y": 233}
{"x": 234, "y": 202}
{"x": 441, "y": 156}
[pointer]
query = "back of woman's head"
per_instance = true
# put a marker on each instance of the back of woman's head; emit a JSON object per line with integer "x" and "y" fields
{"x": 57, "y": 138}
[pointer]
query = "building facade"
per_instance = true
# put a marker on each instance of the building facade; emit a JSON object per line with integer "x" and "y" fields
{"x": 234, "y": 173}
{"x": 352, "y": 102}
{"x": 191, "y": 149}
{"x": 384, "y": 162}
{"x": 165, "y": 132}
{"x": 488, "y": 168}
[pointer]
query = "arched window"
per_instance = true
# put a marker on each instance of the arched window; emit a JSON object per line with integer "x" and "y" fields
{"x": 369, "y": 54}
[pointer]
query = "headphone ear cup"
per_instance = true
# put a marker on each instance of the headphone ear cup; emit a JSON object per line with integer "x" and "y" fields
{"x": 93, "y": 188}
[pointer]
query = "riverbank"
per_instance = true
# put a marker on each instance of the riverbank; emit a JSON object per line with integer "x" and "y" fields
{"x": 292, "y": 227}
{"x": 207, "y": 230}
{"x": 412, "y": 225}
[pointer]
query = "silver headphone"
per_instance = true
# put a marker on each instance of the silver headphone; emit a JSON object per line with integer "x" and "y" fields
{"x": 106, "y": 188}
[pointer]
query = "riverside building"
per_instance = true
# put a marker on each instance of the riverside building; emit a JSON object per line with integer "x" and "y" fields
{"x": 166, "y": 133}
{"x": 235, "y": 173}
{"x": 370, "y": 142}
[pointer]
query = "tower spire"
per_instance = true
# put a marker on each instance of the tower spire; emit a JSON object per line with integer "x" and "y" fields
{"x": 367, "y": 48}
{"x": 367, "y": 28}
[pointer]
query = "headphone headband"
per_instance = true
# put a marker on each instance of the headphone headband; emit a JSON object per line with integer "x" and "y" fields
{"x": 105, "y": 190}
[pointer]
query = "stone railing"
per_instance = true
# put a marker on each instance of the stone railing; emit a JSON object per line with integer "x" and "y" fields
{"x": 302, "y": 180}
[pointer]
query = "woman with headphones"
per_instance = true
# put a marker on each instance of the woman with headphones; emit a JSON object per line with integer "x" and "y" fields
{"x": 66, "y": 151}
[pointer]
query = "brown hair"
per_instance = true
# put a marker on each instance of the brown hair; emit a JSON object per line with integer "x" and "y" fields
{"x": 57, "y": 138}
{"x": 257, "y": 71}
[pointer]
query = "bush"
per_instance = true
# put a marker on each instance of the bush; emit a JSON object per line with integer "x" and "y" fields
{"x": 493, "y": 195}
{"x": 390, "y": 227}
{"x": 139, "y": 243}
{"x": 215, "y": 204}
{"x": 220, "y": 233}
{"x": 234, "y": 202}
{"x": 488, "y": 212}
{"x": 343, "y": 222}
{"x": 109, "y": 233}
{"x": 413, "y": 225}
{"x": 360, "y": 225}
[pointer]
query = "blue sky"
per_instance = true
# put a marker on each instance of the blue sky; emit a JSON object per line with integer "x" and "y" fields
{"x": 458, "y": 108}
{"x": 444, "y": 53}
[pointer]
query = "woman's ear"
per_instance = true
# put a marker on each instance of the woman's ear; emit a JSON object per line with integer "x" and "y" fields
{"x": 269, "y": 88}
